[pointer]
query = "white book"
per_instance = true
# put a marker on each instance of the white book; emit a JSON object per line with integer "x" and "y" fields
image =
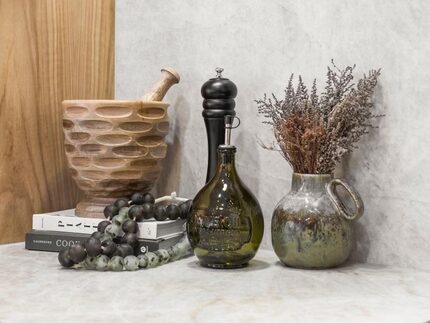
{"x": 67, "y": 221}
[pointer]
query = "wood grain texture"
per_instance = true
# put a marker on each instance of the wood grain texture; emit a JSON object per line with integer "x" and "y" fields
{"x": 50, "y": 50}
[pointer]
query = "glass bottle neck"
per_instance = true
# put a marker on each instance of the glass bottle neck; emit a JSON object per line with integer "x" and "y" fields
{"x": 226, "y": 158}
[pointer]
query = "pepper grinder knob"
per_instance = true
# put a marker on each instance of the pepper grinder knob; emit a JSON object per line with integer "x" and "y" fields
{"x": 218, "y": 94}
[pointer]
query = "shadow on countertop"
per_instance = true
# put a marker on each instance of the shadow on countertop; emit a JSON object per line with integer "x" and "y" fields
{"x": 253, "y": 265}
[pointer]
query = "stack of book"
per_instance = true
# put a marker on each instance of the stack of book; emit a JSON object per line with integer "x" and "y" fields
{"x": 58, "y": 230}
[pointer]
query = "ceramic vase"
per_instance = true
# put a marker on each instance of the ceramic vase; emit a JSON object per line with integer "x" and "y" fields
{"x": 311, "y": 226}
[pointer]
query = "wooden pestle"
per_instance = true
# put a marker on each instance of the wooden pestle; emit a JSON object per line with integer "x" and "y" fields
{"x": 168, "y": 77}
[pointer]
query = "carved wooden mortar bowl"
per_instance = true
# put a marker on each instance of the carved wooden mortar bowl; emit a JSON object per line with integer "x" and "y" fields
{"x": 113, "y": 148}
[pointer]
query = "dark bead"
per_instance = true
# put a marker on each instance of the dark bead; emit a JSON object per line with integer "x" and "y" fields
{"x": 64, "y": 258}
{"x": 125, "y": 250}
{"x": 117, "y": 252}
{"x": 160, "y": 212}
{"x": 173, "y": 211}
{"x": 96, "y": 234}
{"x": 120, "y": 203}
{"x": 102, "y": 226}
{"x": 117, "y": 240}
{"x": 148, "y": 210}
{"x": 77, "y": 253}
{"x": 110, "y": 211}
{"x": 148, "y": 198}
{"x": 185, "y": 209}
{"x": 136, "y": 212}
{"x": 108, "y": 248}
{"x": 93, "y": 247}
{"x": 137, "y": 199}
{"x": 131, "y": 239}
{"x": 130, "y": 226}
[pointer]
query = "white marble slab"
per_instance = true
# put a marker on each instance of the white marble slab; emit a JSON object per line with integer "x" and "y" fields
{"x": 33, "y": 288}
{"x": 260, "y": 43}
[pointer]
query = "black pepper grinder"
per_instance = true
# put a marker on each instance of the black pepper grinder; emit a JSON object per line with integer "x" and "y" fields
{"x": 218, "y": 94}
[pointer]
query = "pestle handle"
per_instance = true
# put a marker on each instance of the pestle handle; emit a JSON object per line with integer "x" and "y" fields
{"x": 168, "y": 77}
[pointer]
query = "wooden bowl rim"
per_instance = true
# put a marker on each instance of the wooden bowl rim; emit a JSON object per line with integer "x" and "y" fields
{"x": 114, "y": 102}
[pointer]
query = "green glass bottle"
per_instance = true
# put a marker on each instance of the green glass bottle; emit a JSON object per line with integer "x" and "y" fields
{"x": 226, "y": 225}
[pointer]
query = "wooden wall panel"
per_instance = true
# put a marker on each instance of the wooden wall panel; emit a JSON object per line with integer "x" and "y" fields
{"x": 50, "y": 50}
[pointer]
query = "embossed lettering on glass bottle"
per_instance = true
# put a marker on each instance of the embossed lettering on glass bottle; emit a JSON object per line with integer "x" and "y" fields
{"x": 226, "y": 225}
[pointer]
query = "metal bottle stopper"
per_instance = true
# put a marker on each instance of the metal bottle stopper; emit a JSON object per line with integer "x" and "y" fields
{"x": 228, "y": 121}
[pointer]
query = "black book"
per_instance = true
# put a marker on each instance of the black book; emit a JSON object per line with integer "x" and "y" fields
{"x": 56, "y": 241}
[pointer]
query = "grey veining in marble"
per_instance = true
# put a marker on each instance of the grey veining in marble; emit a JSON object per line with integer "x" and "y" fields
{"x": 33, "y": 288}
{"x": 259, "y": 43}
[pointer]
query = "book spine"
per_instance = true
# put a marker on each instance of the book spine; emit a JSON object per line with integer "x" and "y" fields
{"x": 65, "y": 223}
{"x": 147, "y": 230}
{"x": 55, "y": 243}
{"x": 58, "y": 242}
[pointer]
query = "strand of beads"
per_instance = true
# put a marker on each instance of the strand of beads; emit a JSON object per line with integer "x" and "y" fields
{"x": 142, "y": 207}
{"x": 114, "y": 246}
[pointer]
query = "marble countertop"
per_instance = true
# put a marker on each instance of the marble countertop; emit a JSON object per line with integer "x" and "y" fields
{"x": 34, "y": 288}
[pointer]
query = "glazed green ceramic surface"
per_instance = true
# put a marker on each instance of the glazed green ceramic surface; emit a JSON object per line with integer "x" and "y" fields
{"x": 308, "y": 229}
{"x": 226, "y": 225}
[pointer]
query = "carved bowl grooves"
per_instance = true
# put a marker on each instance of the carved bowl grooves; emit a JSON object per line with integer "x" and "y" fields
{"x": 109, "y": 162}
{"x": 80, "y": 161}
{"x": 130, "y": 151}
{"x": 163, "y": 126}
{"x": 74, "y": 111}
{"x": 136, "y": 127}
{"x": 79, "y": 136}
{"x": 127, "y": 174}
{"x": 114, "y": 111}
{"x": 92, "y": 149}
{"x": 113, "y": 139}
{"x": 115, "y": 147}
{"x": 144, "y": 163}
{"x": 152, "y": 113}
{"x": 150, "y": 141}
{"x": 95, "y": 125}
{"x": 159, "y": 151}
{"x": 69, "y": 149}
{"x": 68, "y": 124}
{"x": 92, "y": 174}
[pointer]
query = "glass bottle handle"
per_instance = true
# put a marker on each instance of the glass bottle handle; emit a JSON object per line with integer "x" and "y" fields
{"x": 334, "y": 197}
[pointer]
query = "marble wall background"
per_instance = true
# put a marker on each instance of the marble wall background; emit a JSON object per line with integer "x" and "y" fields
{"x": 259, "y": 43}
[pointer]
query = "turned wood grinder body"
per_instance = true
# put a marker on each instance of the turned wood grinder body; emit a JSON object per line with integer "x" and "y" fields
{"x": 218, "y": 94}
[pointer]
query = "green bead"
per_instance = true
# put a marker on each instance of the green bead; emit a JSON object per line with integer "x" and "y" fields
{"x": 152, "y": 259}
{"x": 123, "y": 212}
{"x": 102, "y": 263}
{"x": 143, "y": 260}
{"x": 171, "y": 253}
{"x": 163, "y": 256}
{"x": 175, "y": 251}
{"x": 116, "y": 263}
{"x": 131, "y": 263}
{"x": 120, "y": 219}
{"x": 104, "y": 237}
{"x": 113, "y": 230}
{"x": 115, "y": 221}
{"x": 90, "y": 263}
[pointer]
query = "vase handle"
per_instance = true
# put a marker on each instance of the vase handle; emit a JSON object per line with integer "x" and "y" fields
{"x": 340, "y": 205}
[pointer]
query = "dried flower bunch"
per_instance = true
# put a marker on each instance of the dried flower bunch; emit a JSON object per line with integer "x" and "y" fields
{"x": 314, "y": 131}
